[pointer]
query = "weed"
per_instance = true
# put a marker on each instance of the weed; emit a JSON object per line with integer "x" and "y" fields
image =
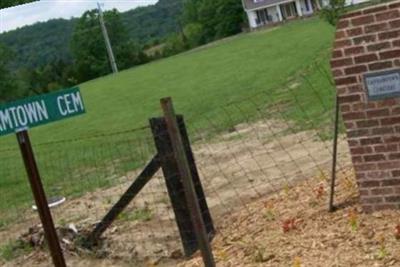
{"x": 269, "y": 214}
{"x": 13, "y": 250}
{"x": 3, "y": 225}
{"x": 353, "y": 220}
{"x": 382, "y": 252}
{"x": 142, "y": 215}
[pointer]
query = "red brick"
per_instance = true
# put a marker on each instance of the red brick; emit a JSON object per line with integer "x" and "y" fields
{"x": 370, "y": 184}
{"x": 385, "y": 148}
{"x": 390, "y": 121}
{"x": 374, "y": 9}
{"x": 355, "y": 89}
{"x": 396, "y": 43}
{"x": 388, "y": 35}
{"x": 361, "y": 150}
{"x": 365, "y": 58}
{"x": 391, "y": 14}
{"x": 371, "y": 141}
{"x": 342, "y": 43}
{"x": 390, "y": 54}
{"x": 384, "y": 207}
{"x": 365, "y": 167}
{"x": 337, "y": 53}
{"x": 376, "y": 27}
{"x": 376, "y": 157}
{"x": 354, "y": 50}
{"x": 364, "y": 192}
{"x": 357, "y": 159}
{"x": 372, "y": 200}
{"x": 384, "y": 130}
{"x": 340, "y": 34}
{"x": 363, "y": 20}
{"x": 382, "y": 191}
{"x": 341, "y": 62}
{"x": 354, "y": 115}
{"x": 364, "y": 39}
{"x": 346, "y": 80}
{"x": 378, "y": 46}
{"x": 357, "y": 133}
{"x": 388, "y": 165}
{"x": 377, "y": 175}
{"x": 394, "y": 5}
{"x": 352, "y": 143}
{"x": 392, "y": 199}
{"x": 367, "y": 123}
{"x": 394, "y": 156}
{"x": 354, "y": 31}
{"x": 395, "y": 23}
{"x": 378, "y": 113}
{"x": 355, "y": 70}
{"x": 380, "y": 65}
{"x": 396, "y": 173}
{"x": 345, "y": 108}
{"x": 337, "y": 73}
{"x": 387, "y": 102}
{"x": 343, "y": 24}
{"x": 392, "y": 139}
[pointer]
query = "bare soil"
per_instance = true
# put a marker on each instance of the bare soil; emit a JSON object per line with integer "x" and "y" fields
{"x": 244, "y": 166}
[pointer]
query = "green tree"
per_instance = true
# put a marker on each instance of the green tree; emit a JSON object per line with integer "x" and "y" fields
{"x": 9, "y": 89}
{"x": 89, "y": 51}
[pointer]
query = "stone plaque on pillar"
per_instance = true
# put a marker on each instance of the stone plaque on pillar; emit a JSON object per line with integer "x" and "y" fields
{"x": 366, "y": 68}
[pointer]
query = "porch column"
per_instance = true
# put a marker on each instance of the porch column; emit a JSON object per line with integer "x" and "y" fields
{"x": 298, "y": 7}
{"x": 252, "y": 17}
{"x": 310, "y": 6}
{"x": 278, "y": 11}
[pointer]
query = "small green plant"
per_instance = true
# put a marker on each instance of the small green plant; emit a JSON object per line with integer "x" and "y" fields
{"x": 269, "y": 214}
{"x": 142, "y": 215}
{"x": 3, "y": 225}
{"x": 382, "y": 252}
{"x": 353, "y": 220}
{"x": 13, "y": 250}
{"x": 333, "y": 11}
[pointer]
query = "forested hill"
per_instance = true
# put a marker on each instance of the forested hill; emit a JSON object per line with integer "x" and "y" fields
{"x": 38, "y": 44}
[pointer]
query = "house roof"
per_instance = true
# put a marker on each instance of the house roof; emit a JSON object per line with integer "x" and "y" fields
{"x": 252, "y": 4}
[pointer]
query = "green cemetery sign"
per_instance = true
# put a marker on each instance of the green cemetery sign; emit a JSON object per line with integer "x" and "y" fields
{"x": 38, "y": 110}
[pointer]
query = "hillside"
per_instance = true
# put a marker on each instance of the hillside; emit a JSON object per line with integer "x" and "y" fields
{"x": 36, "y": 44}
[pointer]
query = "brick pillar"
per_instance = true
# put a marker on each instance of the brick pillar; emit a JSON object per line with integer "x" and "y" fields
{"x": 368, "y": 42}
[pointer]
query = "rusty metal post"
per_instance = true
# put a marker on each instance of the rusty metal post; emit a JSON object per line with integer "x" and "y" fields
{"x": 190, "y": 193}
{"x": 331, "y": 207}
{"x": 40, "y": 199}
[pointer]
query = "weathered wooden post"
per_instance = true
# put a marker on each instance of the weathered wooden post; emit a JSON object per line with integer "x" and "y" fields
{"x": 366, "y": 68}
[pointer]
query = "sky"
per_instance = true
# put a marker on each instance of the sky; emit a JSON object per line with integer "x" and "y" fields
{"x": 43, "y": 10}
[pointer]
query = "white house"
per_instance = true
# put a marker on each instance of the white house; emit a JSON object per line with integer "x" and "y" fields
{"x": 263, "y": 12}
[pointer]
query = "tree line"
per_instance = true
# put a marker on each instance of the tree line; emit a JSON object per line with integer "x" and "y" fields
{"x": 201, "y": 21}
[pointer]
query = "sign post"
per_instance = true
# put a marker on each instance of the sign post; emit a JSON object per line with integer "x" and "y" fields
{"x": 17, "y": 117}
{"x": 40, "y": 199}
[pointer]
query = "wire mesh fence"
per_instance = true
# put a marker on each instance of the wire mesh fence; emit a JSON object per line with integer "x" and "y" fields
{"x": 247, "y": 152}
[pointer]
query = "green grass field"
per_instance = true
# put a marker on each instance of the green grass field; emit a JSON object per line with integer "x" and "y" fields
{"x": 250, "y": 69}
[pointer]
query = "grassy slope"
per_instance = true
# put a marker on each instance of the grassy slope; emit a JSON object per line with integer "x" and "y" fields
{"x": 200, "y": 82}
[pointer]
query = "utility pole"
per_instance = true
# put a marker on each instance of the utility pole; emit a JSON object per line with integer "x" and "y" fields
{"x": 107, "y": 41}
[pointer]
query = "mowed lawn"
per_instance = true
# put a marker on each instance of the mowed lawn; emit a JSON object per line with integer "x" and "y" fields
{"x": 201, "y": 82}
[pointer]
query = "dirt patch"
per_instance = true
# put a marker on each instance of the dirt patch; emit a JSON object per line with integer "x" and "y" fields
{"x": 250, "y": 162}
{"x": 294, "y": 228}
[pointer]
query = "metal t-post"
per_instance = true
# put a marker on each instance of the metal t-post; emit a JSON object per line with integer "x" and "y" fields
{"x": 40, "y": 199}
{"x": 331, "y": 207}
